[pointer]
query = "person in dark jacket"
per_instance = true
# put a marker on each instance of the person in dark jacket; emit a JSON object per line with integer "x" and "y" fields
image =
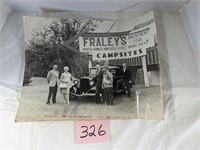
{"x": 126, "y": 78}
{"x": 98, "y": 79}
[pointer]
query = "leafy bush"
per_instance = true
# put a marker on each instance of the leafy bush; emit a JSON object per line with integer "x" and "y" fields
{"x": 27, "y": 76}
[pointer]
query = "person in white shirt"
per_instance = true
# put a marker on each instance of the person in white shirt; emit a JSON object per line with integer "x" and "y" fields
{"x": 126, "y": 78}
{"x": 107, "y": 86}
{"x": 66, "y": 83}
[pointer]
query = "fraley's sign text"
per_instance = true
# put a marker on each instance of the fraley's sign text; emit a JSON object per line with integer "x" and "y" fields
{"x": 104, "y": 46}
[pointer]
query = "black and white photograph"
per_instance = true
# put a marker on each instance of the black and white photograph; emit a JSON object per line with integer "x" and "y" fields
{"x": 79, "y": 69}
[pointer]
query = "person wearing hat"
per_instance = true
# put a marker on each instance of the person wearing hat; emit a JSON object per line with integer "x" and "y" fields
{"x": 98, "y": 79}
{"x": 107, "y": 86}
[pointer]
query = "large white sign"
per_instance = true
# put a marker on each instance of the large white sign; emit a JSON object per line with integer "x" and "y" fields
{"x": 120, "y": 45}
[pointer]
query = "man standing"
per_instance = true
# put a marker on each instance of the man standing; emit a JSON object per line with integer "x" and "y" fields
{"x": 98, "y": 79}
{"x": 108, "y": 86}
{"x": 52, "y": 79}
{"x": 126, "y": 78}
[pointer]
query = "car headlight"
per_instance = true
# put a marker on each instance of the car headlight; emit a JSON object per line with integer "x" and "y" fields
{"x": 91, "y": 83}
{"x": 76, "y": 82}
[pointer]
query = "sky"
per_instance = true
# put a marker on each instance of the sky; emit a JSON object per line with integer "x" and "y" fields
{"x": 32, "y": 23}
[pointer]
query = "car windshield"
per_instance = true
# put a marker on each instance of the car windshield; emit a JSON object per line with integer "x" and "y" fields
{"x": 113, "y": 71}
{"x": 93, "y": 71}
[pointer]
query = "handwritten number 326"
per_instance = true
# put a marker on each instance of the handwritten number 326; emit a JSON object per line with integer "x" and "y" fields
{"x": 91, "y": 131}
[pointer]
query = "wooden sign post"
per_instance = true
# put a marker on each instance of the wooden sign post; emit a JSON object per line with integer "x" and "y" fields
{"x": 144, "y": 67}
{"x": 90, "y": 61}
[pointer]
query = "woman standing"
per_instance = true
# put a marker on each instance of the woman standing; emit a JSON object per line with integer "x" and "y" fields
{"x": 66, "y": 83}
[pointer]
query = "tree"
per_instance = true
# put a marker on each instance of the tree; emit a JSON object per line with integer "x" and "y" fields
{"x": 27, "y": 76}
{"x": 43, "y": 51}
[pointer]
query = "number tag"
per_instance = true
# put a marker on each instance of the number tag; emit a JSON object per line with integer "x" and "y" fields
{"x": 92, "y": 131}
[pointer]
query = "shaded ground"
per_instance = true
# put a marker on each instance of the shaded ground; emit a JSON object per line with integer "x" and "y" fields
{"x": 145, "y": 103}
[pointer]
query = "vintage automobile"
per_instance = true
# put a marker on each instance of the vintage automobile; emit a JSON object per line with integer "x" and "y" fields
{"x": 85, "y": 87}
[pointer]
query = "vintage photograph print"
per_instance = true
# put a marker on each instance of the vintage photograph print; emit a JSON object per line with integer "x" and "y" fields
{"x": 90, "y": 69}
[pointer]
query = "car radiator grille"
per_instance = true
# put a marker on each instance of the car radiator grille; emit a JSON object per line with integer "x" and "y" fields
{"x": 84, "y": 84}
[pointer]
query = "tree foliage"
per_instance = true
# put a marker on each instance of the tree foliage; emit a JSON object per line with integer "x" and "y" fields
{"x": 43, "y": 50}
